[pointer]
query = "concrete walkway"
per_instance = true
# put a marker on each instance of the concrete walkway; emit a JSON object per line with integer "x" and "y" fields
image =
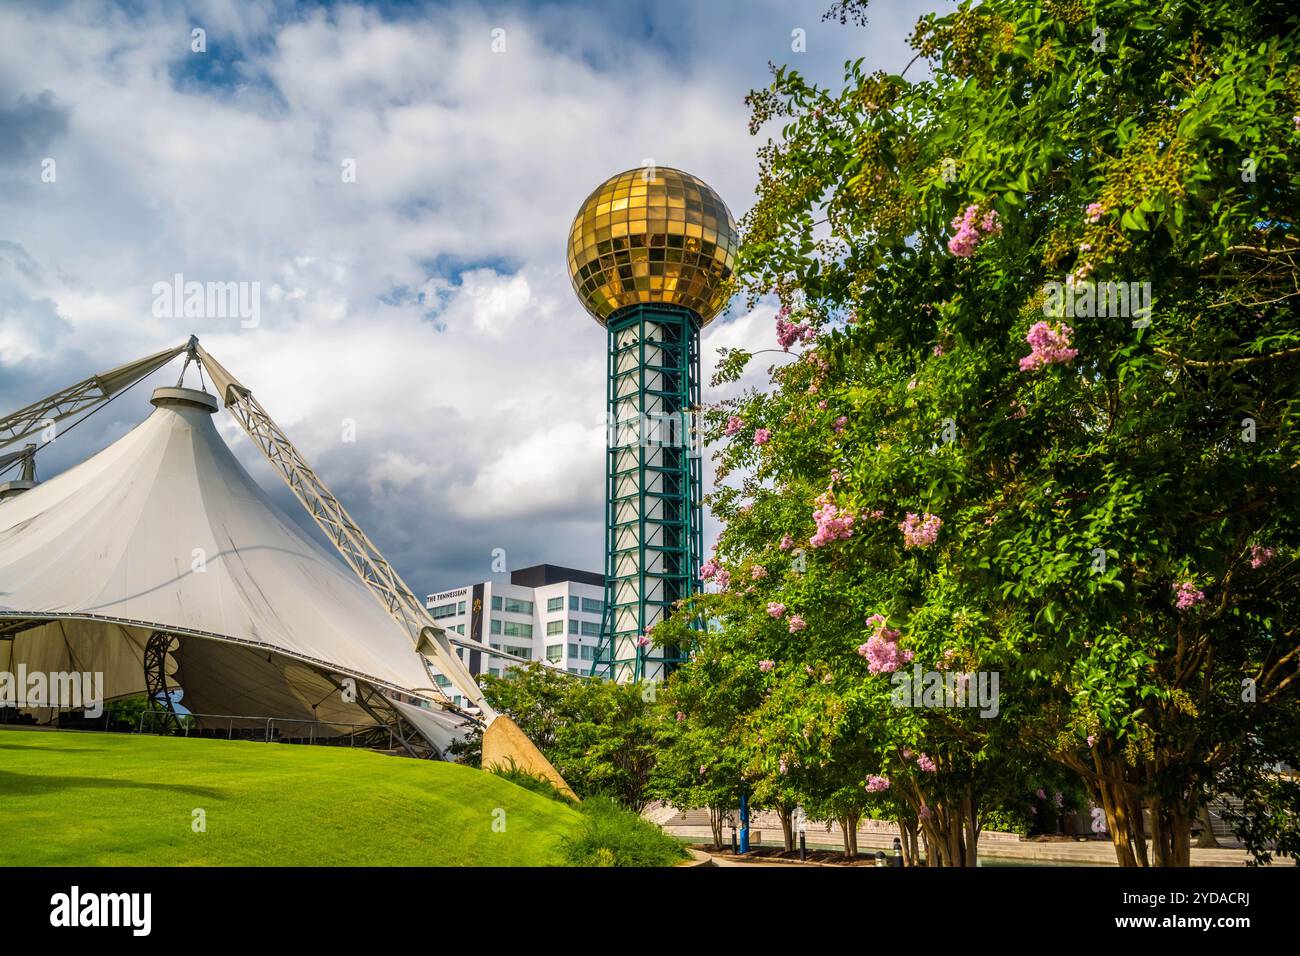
{"x": 995, "y": 848}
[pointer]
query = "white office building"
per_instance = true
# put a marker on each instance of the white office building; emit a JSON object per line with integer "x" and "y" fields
{"x": 543, "y": 613}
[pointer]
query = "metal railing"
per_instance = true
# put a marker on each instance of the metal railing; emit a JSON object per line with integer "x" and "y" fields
{"x": 266, "y": 729}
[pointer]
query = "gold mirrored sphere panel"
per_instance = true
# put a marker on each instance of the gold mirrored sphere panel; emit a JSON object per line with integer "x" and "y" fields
{"x": 652, "y": 235}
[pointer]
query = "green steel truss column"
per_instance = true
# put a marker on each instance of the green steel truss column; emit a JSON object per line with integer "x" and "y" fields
{"x": 653, "y": 516}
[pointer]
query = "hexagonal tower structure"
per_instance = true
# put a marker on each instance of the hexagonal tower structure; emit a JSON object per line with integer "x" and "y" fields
{"x": 651, "y": 251}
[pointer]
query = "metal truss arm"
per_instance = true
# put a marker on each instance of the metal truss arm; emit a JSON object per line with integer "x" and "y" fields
{"x": 78, "y": 398}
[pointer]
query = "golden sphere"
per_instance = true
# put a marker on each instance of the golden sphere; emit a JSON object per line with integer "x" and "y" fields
{"x": 652, "y": 235}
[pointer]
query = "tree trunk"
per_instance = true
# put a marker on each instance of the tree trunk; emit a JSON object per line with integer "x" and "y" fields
{"x": 717, "y": 816}
{"x": 907, "y": 836}
{"x": 1207, "y": 837}
{"x": 1119, "y": 822}
{"x": 971, "y": 828}
{"x": 1171, "y": 836}
{"x": 844, "y": 836}
{"x": 787, "y": 826}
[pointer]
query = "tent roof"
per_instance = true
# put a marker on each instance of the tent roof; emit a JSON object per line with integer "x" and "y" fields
{"x": 165, "y": 529}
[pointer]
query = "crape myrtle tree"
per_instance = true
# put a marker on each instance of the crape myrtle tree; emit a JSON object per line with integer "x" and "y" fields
{"x": 816, "y": 720}
{"x": 1034, "y": 411}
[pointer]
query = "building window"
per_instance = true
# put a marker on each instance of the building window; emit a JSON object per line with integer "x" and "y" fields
{"x": 516, "y": 606}
{"x": 525, "y": 652}
{"x": 441, "y": 680}
{"x": 554, "y": 627}
{"x": 460, "y": 609}
{"x": 573, "y": 626}
{"x": 443, "y": 610}
{"x": 590, "y": 629}
{"x": 460, "y": 628}
{"x": 496, "y": 602}
{"x": 591, "y": 606}
{"x": 496, "y": 626}
{"x": 494, "y": 671}
{"x": 588, "y": 653}
{"x": 573, "y": 602}
{"x": 554, "y": 653}
{"x": 555, "y": 604}
{"x": 573, "y": 651}
{"x": 515, "y": 629}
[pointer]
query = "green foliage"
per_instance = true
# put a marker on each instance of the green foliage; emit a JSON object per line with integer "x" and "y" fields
{"x": 537, "y": 784}
{"x": 1008, "y": 820}
{"x": 612, "y": 835}
{"x": 1112, "y": 141}
{"x": 597, "y": 734}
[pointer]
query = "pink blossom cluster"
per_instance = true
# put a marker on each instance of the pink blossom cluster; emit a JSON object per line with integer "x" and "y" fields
{"x": 775, "y": 610}
{"x": 1189, "y": 596}
{"x": 881, "y": 650}
{"x": 925, "y": 763}
{"x": 840, "y": 422}
{"x": 709, "y": 569}
{"x": 788, "y": 333}
{"x": 832, "y": 522}
{"x": 766, "y": 666}
{"x": 1048, "y": 345}
{"x": 723, "y": 577}
{"x": 680, "y": 716}
{"x": 971, "y": 230}
{"x": 734, "y": 424}
{"x": 762, "y": 436}
{"x": 787, "y": 542}
{"x": 920, "y": 531}
{"x": 757, "y": 572}
{"x": 1260, "y": 556}
{"x": 643, "y": 640}
{"x": 797, "y": 623}
{"x": 1095, "y": 211}
{"x": 875, "y": 784}
{"x": 783, "y": 766}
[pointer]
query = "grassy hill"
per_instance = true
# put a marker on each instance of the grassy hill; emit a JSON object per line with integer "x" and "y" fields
{"x": 105, "y": 799}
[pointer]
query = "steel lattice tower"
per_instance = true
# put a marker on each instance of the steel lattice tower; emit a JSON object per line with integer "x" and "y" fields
{"x": 650, "y": 254}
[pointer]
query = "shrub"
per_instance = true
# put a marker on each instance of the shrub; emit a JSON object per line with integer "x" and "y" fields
{"x": 614, "y": 836}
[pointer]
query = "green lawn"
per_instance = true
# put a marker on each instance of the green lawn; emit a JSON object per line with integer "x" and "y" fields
{"x": 107, "y": 799}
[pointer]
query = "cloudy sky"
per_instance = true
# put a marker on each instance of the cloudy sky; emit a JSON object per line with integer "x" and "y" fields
{"x": 423, "y": 299}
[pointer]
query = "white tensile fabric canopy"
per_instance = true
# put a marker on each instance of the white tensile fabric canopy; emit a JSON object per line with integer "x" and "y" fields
{"x": 165, "y": 530}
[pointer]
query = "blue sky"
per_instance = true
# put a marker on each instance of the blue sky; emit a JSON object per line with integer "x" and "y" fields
{"x": 426, "y": 302}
